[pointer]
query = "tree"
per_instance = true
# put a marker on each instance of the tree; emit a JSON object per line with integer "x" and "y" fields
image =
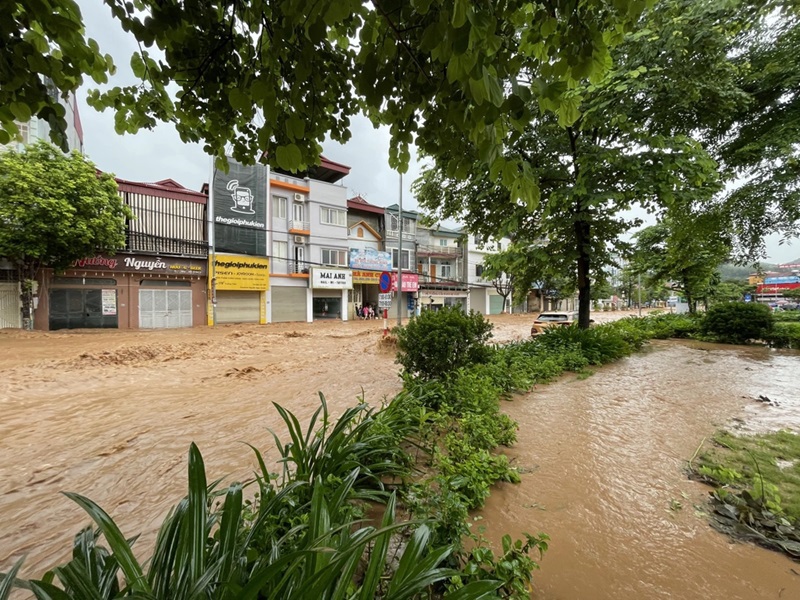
{"x": 55, "y": 209}
{"x": 627, "y": 143}
{"x": 495, "y": 269}
{"x": 281, "y": 76}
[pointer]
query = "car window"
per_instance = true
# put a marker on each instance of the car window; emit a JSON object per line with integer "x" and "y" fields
{"x": 552, "y": 317}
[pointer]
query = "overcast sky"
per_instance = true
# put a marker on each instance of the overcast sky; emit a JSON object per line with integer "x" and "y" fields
{"x": 160, "y": 154}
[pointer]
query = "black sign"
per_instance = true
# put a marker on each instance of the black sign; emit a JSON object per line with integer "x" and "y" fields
{"x": 240, "y": 209}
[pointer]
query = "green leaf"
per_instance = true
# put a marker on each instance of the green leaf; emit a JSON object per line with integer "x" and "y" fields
{"x": 459, "y": 17}
{"x": 288, "y": 157}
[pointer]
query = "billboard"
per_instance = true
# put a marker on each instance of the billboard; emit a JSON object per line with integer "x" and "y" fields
{"x": 370, "y": 259}
{"x": 240, "y": 209}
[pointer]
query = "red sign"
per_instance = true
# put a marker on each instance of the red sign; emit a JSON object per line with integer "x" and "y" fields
{"x": 410, "y": 282}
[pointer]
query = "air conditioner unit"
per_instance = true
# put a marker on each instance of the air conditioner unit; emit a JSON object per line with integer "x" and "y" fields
{"x": 299, "y": 239}
{"x": 299, "y": 198}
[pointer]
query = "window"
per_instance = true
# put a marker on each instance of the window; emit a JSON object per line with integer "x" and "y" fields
{"x": 445, "y": 271}
{"x": 443, "y": 242}
{"x": 406, "y": 259}
{"x": 332, "y": 216}
{"x": 298, "y": 212}
{"x": 278, "y": 207}
{"x": 334, "y": 257}
{"x": 280, "y": 249}
{"x": 478, "y": 270}
{"x": 409, "y": 225}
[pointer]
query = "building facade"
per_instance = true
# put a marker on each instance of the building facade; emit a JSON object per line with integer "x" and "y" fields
{"x": 483, "y": 295}
{"x": 158, "y": 280}
{"x": 368, "y": 257}
{"x": 441, "y": 265}
{"x": 403, "y": 253}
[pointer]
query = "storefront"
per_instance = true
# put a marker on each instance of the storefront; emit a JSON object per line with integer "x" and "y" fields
{"x": 329, "y": 291}
{"x": 366, "y": 287}
{"x": 430, "y": 299}
{"x": 409, "y": 298}
{"x": 239, "y": 286}
{"x": 125, "y": 291}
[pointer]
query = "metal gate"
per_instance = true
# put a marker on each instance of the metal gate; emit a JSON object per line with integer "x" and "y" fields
{"x": 238, "y": 307}
{"x": 289, "y": 304}
{"x": 82, "y": 308}
{"x": 9, "y": 305}
{"x": 162, "y": 309}
{"x": 495, "y": 304}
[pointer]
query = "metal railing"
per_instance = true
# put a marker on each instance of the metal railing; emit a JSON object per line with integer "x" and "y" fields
{"x": 143, "y": 242}
{"x": 299, "y": 225}
{"x": 429, "y": 250}
{"x": 300, "y": 266}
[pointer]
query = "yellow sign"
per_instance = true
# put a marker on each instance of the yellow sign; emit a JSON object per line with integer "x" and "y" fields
{"x": 238, "y": 272}
{"x": 367, "y": 277}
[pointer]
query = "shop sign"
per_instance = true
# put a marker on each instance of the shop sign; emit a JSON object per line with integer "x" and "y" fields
{"x": 137, "y": 263}
{"x": 370, "y": 277}
{"x": 240, "y": 208}
{"x": 410, "y": 282}
{"x": 237, "y": 272}
{"x": 371, "y": 259}
{"x": 109, "y": 302}
{"x": 341, "y": 279}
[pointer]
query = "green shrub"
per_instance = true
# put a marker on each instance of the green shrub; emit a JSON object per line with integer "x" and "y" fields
{"x": 738, "y": 322}
{"x": 784, "y": 335}
{"x": 437, "y": 343}
{"x": 598, "y": 345}
{"x": 787, "y": 316}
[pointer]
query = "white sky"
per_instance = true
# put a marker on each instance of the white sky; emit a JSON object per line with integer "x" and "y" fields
{"x": 160, "y": 154}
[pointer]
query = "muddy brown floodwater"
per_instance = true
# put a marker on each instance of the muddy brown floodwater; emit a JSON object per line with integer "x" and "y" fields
{"x": 111, "y": 414}
{"x": 604, "y": 475}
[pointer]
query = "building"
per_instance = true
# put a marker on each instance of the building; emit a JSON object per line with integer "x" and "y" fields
{"x": 406, "y": 300}
{"x": 483, "y": 294}
{"x": 30, "y": 132}
{"x": 158, "y": 280}
{"x": 310, "y": 271}
{"x": 442, "y": 268}
{"x": 368, "y": 258}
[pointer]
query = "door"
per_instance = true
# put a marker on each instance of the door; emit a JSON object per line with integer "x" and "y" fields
{"x": 10, "y": 305}
{"x": 495, "y": 304}
{"x": 238, "y": 307}
{"x": 162, "y": 309}
{"x": 300, "y": 260}
{"x": 83, "y": 308}
{"x": 289, "y": 304}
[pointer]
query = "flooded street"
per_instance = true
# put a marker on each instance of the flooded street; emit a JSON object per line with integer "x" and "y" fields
{"x": 604, "y": 475}
{"x": 111, "y": 414}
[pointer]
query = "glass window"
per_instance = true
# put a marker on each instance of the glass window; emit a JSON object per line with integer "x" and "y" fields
{"x": 445, "y": 271}
{"x": 443, "y": 242}
{"x": 280, "y": 249}
{"x": 406, "y": 259}
{"x": 333, "y": 216}
{"x": 334, "y": 257}
{"x": 279, "y": 207}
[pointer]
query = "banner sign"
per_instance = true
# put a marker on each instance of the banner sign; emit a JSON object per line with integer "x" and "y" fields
{"x": 410, "y": 282}
{"x": 322, "y": 278}
{"x": 108, "y": 299}
{"x": 236, "y": 272}
{"x": 139, "y": 263}
{"x": 370, "y": 259}
{"x": 240, "y": 209}
{"x": 371, "y": 277}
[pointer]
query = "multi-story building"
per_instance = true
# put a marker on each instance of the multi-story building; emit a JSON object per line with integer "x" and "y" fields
{"x": 368, "y": 259}
{"x": 442, "y": 267}
{"x": 403, "y": 252}
{"x": 483, "y": 294}
{"x": 158, "y": 280}
{"x": 308, "y": 237}
{"x": 30, "y": 132}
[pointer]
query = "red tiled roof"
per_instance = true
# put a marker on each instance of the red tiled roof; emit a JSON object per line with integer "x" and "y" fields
{"x": 358, "y": 203}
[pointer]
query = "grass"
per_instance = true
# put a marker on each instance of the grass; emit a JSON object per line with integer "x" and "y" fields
{"x": 773, "y": 457}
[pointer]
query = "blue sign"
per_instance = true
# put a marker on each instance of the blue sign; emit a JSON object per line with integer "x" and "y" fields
{"x": 748, "y": 298}
{"x": 385, "y": 282}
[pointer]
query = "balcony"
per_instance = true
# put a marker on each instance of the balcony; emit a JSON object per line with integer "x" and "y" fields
{"x": 437, "y": 281}
{"x": 300, "y": 227}
{"x": 142, "y": 242}
{"x": 395, "y": 234}
{"x": 299, "y": 267}
{"x": 440, "y": 251}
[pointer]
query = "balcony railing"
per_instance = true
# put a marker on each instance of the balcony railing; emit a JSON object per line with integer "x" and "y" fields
{"x": 394, "y": 234}
{"x": 300, "y": 267}
{"x": 454, "y": 281}
{"x": 142, "y": 242}
{"x": 444, "y": 251}
{"x": 299, "y": 225}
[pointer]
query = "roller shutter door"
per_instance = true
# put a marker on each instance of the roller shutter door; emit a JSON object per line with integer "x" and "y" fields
{"x": 238, "y": 307}
{"x": 289, "y": 304}
{"x": 495, "y": 305}
{"x": 9, "y": 305}
{"x": 160, "y": 309}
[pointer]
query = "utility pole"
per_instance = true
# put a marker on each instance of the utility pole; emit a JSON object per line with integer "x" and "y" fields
{"x": 639, "y": 285}
{"x": 400, "y": 259}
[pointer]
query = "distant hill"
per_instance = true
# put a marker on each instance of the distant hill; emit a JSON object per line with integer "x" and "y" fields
{"x": 730, "y": 271}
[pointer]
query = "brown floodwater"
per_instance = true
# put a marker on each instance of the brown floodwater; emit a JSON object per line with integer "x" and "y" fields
{"x": 604, "y": 474}
{"x": 111, "y": 414}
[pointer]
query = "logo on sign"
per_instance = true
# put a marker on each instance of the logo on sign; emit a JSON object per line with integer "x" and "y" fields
{"x": 243, "y": 198}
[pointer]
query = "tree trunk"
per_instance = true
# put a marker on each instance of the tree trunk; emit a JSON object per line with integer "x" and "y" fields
{"x": 582, "y": 233}
{"x": 27, "y": 277}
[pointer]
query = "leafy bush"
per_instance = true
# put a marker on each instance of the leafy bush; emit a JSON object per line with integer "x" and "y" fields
{"x": 787, "y": 316}
{"x": 437, "y": 343}
{"x": 598, "y": 345}
{"x": 738, "y": 322}
{"x": 784, "y": 335}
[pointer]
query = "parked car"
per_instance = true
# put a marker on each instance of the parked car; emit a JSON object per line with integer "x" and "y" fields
{"x": 546, "y": 320}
